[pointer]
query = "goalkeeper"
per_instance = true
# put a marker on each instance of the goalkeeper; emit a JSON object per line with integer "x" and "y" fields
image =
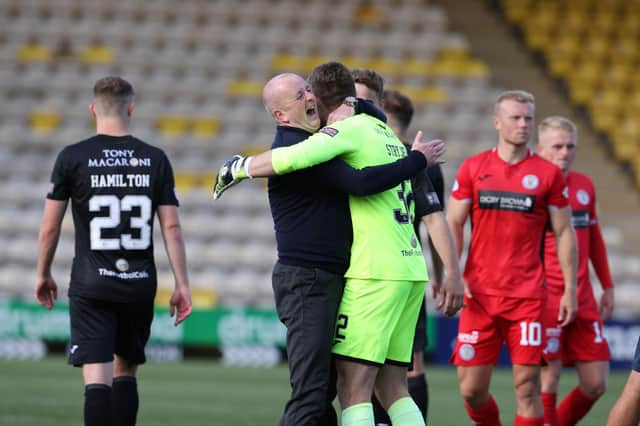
{"x": 387, "y": 273}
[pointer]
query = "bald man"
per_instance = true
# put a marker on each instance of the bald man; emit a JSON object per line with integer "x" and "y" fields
{"x": 312, "y": 222}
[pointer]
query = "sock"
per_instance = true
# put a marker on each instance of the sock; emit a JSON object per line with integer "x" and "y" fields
{"x": 420, "y": 393}
{"x": 405, "y": 412}
{"x": 528, "y": 421}
{"x": 124, "y": 401}
{"x": 358, "y": 415}
{"x": 379, "y": 413}
{"x": 549, "y": 403}
{"x": 573, "y": 407}
{"x": 487, "y": 415}
{"x": 97, "y": 405}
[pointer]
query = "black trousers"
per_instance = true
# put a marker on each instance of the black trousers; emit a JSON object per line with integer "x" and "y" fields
{"x": 307, "y": 302}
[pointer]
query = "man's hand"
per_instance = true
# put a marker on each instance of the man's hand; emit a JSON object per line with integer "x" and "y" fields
{"x": 451, "y": 297}
{"x": 180, "y": 302}
{"x": 432, "y": 150}
{"x": 568, "y": 308}
{"x": 606, "y": 304}
{"x": 231, "y": 173}
{"x": 46, "y": 291}
{"x": 340, "y": 113}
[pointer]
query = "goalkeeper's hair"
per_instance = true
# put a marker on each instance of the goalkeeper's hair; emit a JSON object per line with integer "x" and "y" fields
{"x": 112, "y": 96}
{"x": 332, "y": 82}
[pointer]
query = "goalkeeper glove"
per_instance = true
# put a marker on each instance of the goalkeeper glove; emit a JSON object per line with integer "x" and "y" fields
{"x": 231, "y": 173}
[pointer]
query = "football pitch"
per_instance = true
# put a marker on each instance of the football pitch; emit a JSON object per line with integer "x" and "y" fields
{"x": 201, "y": 392}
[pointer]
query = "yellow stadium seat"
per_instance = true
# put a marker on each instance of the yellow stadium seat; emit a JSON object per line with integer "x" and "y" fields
{"x": 205, "y": 127}
{"x": 187, "y": 180}
{"x": 245, "y": 89}
{"x": 173, "y": 125}
{"x": 314, "y": 60}
{"x": 33, "y": 52}
{"x": 44, "y": 121}
{"x": 421, "y": 95}
{"x": 200, "y": 298}
{"x": 96, "y": 54}
{"x": 368, "y": 13}
{"x": 474, "y": 69}
{"x": 417, "y": 67}
{"x": 517, "y": 11}
{"x": 285, "y": 62}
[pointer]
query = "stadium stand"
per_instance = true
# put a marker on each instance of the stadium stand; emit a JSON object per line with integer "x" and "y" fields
{"x": 198, "y": 68}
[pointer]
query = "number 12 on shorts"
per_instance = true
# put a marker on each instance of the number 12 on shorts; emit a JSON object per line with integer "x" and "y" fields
{"x": 530, "y": 333}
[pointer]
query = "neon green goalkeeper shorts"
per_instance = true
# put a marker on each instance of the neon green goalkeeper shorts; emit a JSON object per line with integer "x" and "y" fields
{"x": 376, "y": 321}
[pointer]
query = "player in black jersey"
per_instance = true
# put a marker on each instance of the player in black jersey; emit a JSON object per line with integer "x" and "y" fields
{"x": 116, "y": 184}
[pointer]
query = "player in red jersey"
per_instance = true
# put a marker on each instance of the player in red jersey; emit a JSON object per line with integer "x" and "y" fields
{"x": 581, "y": 343}
{"x": 510, "y": 195}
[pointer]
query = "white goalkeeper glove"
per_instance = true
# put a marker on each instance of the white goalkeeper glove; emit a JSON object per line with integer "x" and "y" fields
{"x": 231, "y": 173}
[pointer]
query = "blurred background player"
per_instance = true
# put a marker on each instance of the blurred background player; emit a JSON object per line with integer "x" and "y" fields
{"x": 310, "y": 210}
{"x": 510, "y": 194}
{"x": 399, "y": 110}
{"x": 116, "y": 184}
{"x": 626, "y": 410}
{"x": 582, "y": 342}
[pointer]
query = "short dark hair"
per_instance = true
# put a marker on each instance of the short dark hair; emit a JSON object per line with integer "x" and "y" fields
{"x": 371, "y": 79}
{"x": 398, "y": 105}
{"x": 332, "y": 82}
{"x": 113, "y": 94}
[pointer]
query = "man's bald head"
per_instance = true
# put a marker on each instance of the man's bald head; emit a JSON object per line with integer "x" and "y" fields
{"x": 289, "y": 100}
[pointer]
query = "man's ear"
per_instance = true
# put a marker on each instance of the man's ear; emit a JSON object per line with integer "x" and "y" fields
{"x": 130, "y": 108}
{"x": 280, "y": 116}
{"x": 92, "y": 110}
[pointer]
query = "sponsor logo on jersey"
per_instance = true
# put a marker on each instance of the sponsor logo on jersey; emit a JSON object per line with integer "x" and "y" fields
{"x": 467, "y": 352}
{"x": 329, "y": 131}
{"x": 469, "y": 337}
{"x": 119, "y": 157}
{"x": 580, "y": 218}
{"x": 133, "y": 275}
{"x": 553, "y": 332}
{"x": 509, "y": 201}
{"x": 395, "y": 151}
{"x": 530, "y": 181}
{"x": 583, "y": 197}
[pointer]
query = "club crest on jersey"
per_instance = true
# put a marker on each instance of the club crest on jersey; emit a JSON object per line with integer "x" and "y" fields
{"x": 467, "y": 352}
{"x": 122, "y": 265}
{"x": 329, "y": 131}
{"x": 414, "y": 242}
{"x": 583, "y": 197}
{"x": 553, "y": 345}
{"x": 565, "y": 192}
{"x": 455, "y": 186}
{"x": 530, "y": 181}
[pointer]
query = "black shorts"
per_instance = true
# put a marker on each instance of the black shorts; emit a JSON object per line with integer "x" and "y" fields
{"x": 636, "y": 359}
{"x": 420, "y": 337}
{"x": 102, "y": 328}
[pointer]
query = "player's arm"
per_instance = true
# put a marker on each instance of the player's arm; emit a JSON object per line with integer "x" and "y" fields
{"x": 568, "y": 259}
{"x": 338, "y": 175}
{"x": 46, "y": 291}
{"x": 599, "y": 260}
{"x": 457, "y": 214}
{"x": 174, "y": 244}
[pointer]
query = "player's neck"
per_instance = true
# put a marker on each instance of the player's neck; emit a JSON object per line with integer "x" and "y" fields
{"x": 112, "y": 127}
{"x": 511, "y": 153}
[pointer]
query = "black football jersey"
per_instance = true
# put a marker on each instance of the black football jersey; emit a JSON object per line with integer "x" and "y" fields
{"x": 115, "y": 185}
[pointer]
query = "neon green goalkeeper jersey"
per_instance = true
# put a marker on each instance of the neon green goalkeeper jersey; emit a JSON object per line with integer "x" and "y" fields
{"x": 384, "y": 246}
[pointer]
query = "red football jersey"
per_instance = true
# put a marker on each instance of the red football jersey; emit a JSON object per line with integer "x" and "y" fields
{"x": 582, "y": 199}
{"x": 509, "y": 216}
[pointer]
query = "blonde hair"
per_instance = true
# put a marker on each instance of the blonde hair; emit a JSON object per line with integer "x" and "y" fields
{"x": 515, "y": 95}
{"x": 558, "y": 122}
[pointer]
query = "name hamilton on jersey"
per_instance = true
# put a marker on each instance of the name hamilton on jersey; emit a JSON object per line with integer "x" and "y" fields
{"x": 119, "y": 157}
{"x": 120, "y": 181}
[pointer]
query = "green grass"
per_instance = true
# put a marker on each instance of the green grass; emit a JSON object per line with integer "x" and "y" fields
{"x": 50, "y": 393}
